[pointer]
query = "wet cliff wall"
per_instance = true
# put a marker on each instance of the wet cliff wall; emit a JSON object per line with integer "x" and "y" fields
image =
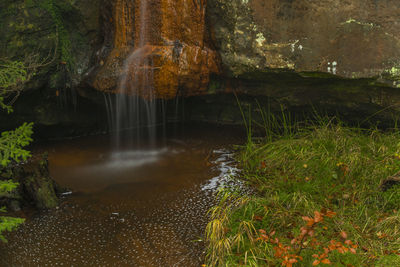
{"x": 341, "y": 56}
{"x": 334, "y": 56}
{"x": 350, "y": 39}
{"x": 337, "y": 56}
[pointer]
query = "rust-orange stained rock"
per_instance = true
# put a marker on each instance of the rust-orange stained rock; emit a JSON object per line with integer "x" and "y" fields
{"x": 175, "y": 45}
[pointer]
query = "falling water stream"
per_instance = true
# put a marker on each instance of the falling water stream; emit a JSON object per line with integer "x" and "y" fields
{"x": 136, "y": 108}
{"x": 147, "y": 207}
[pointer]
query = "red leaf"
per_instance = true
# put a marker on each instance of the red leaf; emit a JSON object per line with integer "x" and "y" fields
{"x": 263, "y": 165}
{"x": 326, "y": 261}
{"x": 348, "y": 242}
{"x": 330, "y": 214}
{"x": 318, "y": 217}
{"x": 343, "y": 234}
{"x": 257, "y": 218}
{"x": 311, "y": 233}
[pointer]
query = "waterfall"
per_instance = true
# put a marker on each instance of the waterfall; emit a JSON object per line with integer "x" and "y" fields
{"x": 135, "y": 103}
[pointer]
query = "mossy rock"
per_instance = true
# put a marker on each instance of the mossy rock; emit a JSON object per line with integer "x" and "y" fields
{"x": 36, "y": 187}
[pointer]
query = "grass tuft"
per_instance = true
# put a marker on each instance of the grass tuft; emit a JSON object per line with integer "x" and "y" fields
{"x": 318, "y": 201}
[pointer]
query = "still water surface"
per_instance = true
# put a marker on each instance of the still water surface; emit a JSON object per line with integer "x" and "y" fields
{"x": 141, "y": 206}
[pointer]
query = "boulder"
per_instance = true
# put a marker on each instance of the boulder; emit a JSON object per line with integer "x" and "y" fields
{"x": 36, "y": 187}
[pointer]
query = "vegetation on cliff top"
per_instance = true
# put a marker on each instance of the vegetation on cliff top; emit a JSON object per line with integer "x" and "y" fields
{"x": 326, "y": 195}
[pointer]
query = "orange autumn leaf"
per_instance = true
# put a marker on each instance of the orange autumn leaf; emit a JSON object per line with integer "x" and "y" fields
{"x": 310, "y": 221}
{"x": 326, "y": 261}
{"x": 343, "y": 234}
{"x": 257, "y": 218}
{"x": 264, "y": 237}
{"x": 262, "y": 231}
{"x": 330, "y": 214}
{"x": 278, "y": 252}
{"x": 316, "y": 262}
{"x": 318, "y": 217}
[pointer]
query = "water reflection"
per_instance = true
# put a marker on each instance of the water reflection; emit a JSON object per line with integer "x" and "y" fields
{"x": 127, "y": 160}
{"x": 143, "y": 207}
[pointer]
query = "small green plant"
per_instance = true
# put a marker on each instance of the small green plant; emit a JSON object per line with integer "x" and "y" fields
{"x": 8, "y": 223}
{"x": 12, "y": 75}
{"x": 12, "y": 143}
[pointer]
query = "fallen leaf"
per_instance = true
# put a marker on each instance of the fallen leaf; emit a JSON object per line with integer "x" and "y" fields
{"x": 343, "y": 234}
{"x": 326, "y": 261}
{"x": 257, "y": 218}
{"x": 330, "y": 213}
{"x": 318, "y": 217}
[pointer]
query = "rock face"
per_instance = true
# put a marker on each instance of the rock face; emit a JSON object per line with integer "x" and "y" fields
{"x": 177, "y": 46}
{"x": 30, "y": 32}
{"x": 337, "y": 54}
{"x": 36, "y": 187}
{"x": 351, "y": 39}
{"x": 34, "y": 29}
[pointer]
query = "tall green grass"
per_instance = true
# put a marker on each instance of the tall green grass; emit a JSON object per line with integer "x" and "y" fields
{"x": 300, "y": 168}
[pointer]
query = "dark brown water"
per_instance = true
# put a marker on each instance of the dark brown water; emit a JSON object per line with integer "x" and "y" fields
{"x": 144, "y": 206}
